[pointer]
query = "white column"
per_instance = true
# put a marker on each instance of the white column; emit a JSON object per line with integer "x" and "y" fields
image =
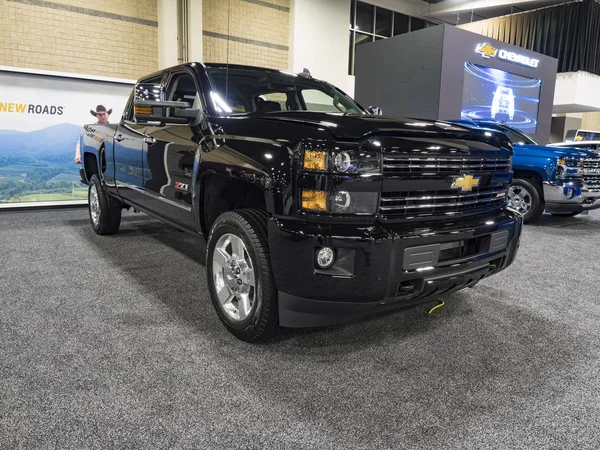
{"x": 167, "y": 33}
{"x": 195, "y": 31}
{"x": 319, "y": 39}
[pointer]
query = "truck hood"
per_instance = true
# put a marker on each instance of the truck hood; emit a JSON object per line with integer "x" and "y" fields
{"x": 552, "y": 152}
{"x": 346, "y": 126}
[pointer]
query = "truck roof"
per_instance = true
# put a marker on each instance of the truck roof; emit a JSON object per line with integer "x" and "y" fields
{"x": 213, "y": 65}
{"x": 241, "y": 66}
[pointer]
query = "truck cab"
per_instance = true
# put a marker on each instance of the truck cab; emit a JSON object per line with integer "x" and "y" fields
{"x": 315, "y": 211}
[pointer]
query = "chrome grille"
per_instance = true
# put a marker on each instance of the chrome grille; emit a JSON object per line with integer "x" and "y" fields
{"x": 434, "y": 165}
{"x": 590, "y": 163}
{"x": 437, "y": 203}
{"x": 592, "y": 182}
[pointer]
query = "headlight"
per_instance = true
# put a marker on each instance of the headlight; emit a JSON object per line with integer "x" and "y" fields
{"x": 342, "y": 161}
{"x": 355, "y": 161}
{"x": 567, "y": 167}
{"x": 340, "y": 202}
{"x": 344, "y": 202}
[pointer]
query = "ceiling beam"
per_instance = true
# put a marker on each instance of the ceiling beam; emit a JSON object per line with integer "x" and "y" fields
{"x": 467, "y": 5}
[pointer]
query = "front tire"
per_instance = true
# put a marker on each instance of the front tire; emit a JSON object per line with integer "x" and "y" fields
{"x": 104, "y": 214}
{"x": 239, "y": 274}
{"x": 525, "y": 196}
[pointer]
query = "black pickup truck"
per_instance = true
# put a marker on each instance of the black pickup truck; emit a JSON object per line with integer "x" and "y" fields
{"x": 316, "y": 211}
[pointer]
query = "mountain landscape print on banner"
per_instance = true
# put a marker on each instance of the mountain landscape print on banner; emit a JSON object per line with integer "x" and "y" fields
{"x": 40, "y": 165}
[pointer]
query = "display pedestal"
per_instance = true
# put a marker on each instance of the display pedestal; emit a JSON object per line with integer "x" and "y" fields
{"x": 446, "y": 73}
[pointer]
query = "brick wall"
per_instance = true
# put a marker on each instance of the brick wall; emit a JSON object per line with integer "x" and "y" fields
{"x": 258, "y": 32}
{"x": 114, "y": 38}
{"x": 591, "y": 121}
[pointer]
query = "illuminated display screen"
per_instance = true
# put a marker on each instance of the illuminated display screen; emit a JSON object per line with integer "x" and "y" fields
{"x": 503, "y": 96}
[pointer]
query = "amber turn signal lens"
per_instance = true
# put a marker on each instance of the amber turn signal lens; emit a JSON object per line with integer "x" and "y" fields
{"x": 143, "y": 110}
{"x": 314, "y": 200}
{"x": 314, "y": 160}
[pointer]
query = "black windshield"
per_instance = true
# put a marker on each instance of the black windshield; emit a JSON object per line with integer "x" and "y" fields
{"x": 243, "y": 91}
{"x": 516, "y": 137}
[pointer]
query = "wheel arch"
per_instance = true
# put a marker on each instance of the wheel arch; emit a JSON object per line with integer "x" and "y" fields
{"x": 220, "y": 193}
{"x": 528, "y": 174}
{"x": 90, "y": 165}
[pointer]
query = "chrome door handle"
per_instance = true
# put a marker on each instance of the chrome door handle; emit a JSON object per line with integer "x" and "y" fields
{"x": 149, "y": 140}
{"x": 119, "y": 137}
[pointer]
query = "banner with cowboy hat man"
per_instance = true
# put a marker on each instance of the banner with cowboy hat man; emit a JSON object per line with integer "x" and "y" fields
{"x": 41, "y": 120}
{"x": 102, "y": 115}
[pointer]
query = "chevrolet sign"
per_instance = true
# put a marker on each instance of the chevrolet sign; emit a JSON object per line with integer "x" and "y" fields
{"x": 487, "y": 51}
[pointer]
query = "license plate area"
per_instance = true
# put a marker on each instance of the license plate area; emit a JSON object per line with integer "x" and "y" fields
{"x": 426, "y": 257}
{"x": 460, "y": 249}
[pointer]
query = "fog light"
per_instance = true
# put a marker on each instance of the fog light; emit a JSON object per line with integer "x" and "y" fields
{"x": 325, "y": 258}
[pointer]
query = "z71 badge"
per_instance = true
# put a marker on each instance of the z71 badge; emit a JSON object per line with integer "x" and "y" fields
{"x": 181, "y": 186}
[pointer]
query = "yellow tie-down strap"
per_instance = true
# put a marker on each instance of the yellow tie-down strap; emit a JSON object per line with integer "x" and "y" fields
{"x": 439, "y": 305}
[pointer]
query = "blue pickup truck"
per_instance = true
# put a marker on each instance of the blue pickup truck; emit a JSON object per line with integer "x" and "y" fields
{"x": 562, "y": 181}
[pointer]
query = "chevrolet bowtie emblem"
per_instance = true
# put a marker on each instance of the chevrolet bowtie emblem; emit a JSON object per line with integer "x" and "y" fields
{"x": 486, "y": 50}
{"x": 465, "y": 183}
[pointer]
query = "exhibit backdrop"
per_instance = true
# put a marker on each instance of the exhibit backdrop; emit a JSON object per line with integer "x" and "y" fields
{"x": 499, "y": 95}
{"x": 41, "y": 117}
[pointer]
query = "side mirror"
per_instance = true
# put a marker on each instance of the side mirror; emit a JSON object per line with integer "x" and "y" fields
{"x": 163, "y": 112}
{"x": 150, "y": 107}
{"x": 375, "y": 110}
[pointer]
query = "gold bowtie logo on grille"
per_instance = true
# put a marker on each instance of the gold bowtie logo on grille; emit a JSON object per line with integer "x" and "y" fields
{"x": 466, "y": 183}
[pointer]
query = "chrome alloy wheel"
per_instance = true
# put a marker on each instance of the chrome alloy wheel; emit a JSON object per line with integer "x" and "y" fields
{"x": 520, "y": 199}
{"x": 233, "y": 275}
{"x": 94, "y": 205}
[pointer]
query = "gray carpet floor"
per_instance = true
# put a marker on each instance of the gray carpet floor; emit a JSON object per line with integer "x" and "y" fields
{"x": 111, "y": 342}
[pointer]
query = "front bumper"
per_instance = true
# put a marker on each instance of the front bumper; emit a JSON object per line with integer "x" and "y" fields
{"x": 383, "y": 267}
{"x": 566, "y": 197}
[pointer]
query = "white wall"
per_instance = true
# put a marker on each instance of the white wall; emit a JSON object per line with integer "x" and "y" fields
{"x": 320, "y": 32}
{"x": 576, "y": 92}
{"x": 319, "y": 39}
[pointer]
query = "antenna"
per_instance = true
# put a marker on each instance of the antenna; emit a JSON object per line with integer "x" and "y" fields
{"x": 305, "y": 73}
{"x": 227, "y": 57}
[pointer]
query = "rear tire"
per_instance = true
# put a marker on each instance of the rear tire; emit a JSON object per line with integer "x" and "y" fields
{"x": 105, "y": 213}
{"x": 239, "y": 274}
{"x": 525, "y": 195}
